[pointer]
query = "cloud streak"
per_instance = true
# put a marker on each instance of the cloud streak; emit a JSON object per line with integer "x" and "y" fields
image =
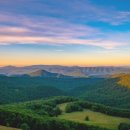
{"x": 48, "y": 30}
{"x": 7, "y": 40}
{"x": 55, "y": 25}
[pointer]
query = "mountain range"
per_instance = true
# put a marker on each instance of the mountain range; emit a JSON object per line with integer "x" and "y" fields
{"x": 59, "y": 71}
{"x": 44, "y": 73}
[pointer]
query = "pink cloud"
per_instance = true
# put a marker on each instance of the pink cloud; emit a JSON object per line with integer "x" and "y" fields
{"x": 47, "y": 30}
{"x": 13, "y": 30}
{"x": 5, "y": 40}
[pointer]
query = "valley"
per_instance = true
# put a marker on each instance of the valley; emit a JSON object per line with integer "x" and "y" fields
{"x": 64, "y": 64}
{"x": 107, "y": 91}
{"x": 46, "y": 100}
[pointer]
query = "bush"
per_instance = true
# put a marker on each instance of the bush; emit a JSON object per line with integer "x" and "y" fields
{"x": 57, "y": 111}
{"x": 72, "y": 107}
{"x": 86, "y": 118}
{"x": 24, "y": 126}
{"x": 124, "y": 126}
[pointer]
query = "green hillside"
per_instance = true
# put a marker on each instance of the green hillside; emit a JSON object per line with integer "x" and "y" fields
{"x": 95, "y": 118}
{"x": 49, "y": 114}
{"x": 108, "y": 91}
{"x": 16, "y": 89}
{"x": 40, "y": 115}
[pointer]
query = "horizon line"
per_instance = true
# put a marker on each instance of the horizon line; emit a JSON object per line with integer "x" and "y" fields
{"x": 65, "y": 65}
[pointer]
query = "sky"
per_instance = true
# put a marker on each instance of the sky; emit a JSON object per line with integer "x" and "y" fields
{"x": 65, "y": 32}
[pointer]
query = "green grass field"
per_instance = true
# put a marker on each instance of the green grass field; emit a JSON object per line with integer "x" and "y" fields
{"x": 95, "y": 118}
{"x": 7, "y": 128}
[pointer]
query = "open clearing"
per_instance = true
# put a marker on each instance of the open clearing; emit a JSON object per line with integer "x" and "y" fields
{"x": 95, "y": 118}
{"x": 7, "y": 128}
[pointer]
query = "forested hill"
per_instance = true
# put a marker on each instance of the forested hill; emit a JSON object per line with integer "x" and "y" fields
{"x": 24, "y": 88}
{"x": 123, "y": 79}
{"x": 109, "y": 91}
{"x": 17, "y": 89}
{"x": 106, "y": 91}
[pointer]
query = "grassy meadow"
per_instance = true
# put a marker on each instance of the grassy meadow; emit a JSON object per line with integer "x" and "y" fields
{"x": 95, "y": 118}
{"x": 7, "y": 128}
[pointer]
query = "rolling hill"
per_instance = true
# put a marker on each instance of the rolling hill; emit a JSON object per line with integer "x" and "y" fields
{"x": 49, "y": 114}
{"x": 114, "y": 91}
{"x": 17, "y": 89}
{"x": 106, "y": 91}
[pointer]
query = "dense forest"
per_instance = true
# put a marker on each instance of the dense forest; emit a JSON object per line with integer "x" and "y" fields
{"x": 106, "y": 91}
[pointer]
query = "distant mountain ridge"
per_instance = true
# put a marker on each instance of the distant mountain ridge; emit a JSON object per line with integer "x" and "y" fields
{"x": 44, "y": 73}
{"x": 74, "y": 71}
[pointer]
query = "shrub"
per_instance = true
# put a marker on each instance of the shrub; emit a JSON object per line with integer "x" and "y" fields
{"x": 86, "y": 118}
{"x": 57, "y": 111}
{"x": 124, "y": 126}
{"x": 24, "y": 126}
{"x": 72, "y": 107}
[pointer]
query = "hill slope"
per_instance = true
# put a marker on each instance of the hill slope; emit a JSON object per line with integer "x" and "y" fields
{"x": 7, "y": 128}
{"x": 111, "y": 91}
{"x": 101, "y": 90}
{"x": 123, "y": 79}
{"x": 40, "y": 115}
{"x": 16, "y": 89}
{"x": 94, "y": 118}
{"x": 47, "y": 115}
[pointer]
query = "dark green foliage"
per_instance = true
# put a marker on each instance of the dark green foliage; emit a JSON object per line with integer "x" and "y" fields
{"x": 48, "y": 110}
{"x": 24, "y": 126}
{"x": 16, "y": 89}
{"x": 48, "y": 107}
{"x": 72, "y": 107}
{"x": 124, "y": 126}
{"x": 57, "y": 111}
{"x": 99, "y": 90}
{"x": 86, "y": 118}
{"x": 104, "y": 91}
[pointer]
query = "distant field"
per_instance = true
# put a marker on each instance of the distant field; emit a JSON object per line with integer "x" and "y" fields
{"x": 95, "y": 118}
{"x": 7, "y": 128}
